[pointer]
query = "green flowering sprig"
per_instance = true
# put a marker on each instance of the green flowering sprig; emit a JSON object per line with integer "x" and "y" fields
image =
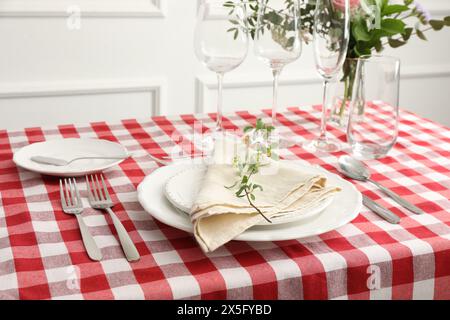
{"x": 258, "y": 142}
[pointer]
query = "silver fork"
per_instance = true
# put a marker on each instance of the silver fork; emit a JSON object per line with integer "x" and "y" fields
{"x": 71, "y": 204}
{"x": 99, "y": 198}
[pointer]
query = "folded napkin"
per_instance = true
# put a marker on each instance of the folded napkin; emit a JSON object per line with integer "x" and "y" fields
{"x": 219, "y": 216}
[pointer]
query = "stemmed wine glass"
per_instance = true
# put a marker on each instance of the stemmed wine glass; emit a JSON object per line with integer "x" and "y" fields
{"x": 277, "y": 39}
{"x": 221, "y": 42}
{"x": 331, "y": 37}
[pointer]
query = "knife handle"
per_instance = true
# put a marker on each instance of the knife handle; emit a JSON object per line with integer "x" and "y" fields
{"x": 408, "y": 205}
{"x": 383, "y": 212}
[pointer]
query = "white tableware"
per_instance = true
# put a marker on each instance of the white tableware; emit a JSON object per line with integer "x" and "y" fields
{"x": 182, "y": 189}
{"x": 344, "y": 208}
{"x": 68, "y": 149}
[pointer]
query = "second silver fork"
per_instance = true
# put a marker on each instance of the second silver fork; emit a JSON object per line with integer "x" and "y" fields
{"x": 71, "y": 204}
{"x": 99, "y": 198}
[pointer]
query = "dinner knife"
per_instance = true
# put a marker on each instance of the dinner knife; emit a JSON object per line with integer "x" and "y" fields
{"x": 383, "y": 212}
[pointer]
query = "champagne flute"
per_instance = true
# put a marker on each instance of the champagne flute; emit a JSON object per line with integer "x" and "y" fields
{"x": 277, "y": 40}
{"x": 221, "y": 42}
{"x": 331, "y": 37}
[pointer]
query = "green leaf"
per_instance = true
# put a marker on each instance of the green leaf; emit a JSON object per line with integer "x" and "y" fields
{"x": 395, "y": 43}
{"x": 378, "y": 45}
{"x": 247, "y": 129}
{"x": 436, "y": 24}
{"x": 360, "y": 32}
{"x": 236, "y": 33}
{"x": 393, "y": 9}
{"x": 393, "y": 26}
{"x": 273, "y": 17}
{"x": 447, "y": 21}
{"x": 239, "y": 192}
{"x": 407, "y": 34}
{"x": 259, "y": 124}
{"x": 362, "y": 50}
{"x": 421, "y": 35}
{"x": 257, "y": 186}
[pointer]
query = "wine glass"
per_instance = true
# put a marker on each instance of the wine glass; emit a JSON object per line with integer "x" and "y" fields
{"x": 277, "y": 39}
{"x": 221, "y": 42}
{"x": 331, "y": 36}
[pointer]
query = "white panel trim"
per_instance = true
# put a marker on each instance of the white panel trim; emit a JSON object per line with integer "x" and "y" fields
{"x": 437, "y": 8}
{"x": 205, "y": 83}
{"x": 155, "y": 86}
{"x": 58, "y": 8}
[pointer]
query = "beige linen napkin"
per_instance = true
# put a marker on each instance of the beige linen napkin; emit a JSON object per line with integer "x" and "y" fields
{"x": 219, "y": 216}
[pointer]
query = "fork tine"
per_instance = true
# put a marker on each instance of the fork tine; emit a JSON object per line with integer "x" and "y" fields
{"x": 89, "y": 191}
{"x": 105, "y": 189}
{"x": 61, "y": 191}
{"x": 77, "y": 192}
{"x": 94, "y": 189}
{"x": 69, "y": 203}
{"x": 72, "y": 192}
{"x": 99, "y": 188}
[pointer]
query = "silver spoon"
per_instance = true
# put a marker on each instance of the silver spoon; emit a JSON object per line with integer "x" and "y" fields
{"x": 357, "y": 170}
{"x": 60, "y": 162}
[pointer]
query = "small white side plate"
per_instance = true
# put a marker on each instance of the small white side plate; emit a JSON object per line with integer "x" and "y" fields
{"x": 345, "y": 207}
{"x": 68, "y": 149}
{"x": 182, "y": 189}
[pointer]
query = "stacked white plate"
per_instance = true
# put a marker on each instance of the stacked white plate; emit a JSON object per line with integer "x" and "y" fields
{"x": 169, "y": 192}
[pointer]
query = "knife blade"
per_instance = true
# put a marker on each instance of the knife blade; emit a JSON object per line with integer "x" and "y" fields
{"x": 383, "y": 212}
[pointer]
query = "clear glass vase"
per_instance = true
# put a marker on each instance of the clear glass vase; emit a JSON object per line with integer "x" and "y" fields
{"x": 343, "y": 94}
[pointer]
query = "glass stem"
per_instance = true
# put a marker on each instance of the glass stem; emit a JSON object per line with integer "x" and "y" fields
{"x": 219, "y": 101}
{"x": 276, "y": 74}
{"x": 323, "y": 123}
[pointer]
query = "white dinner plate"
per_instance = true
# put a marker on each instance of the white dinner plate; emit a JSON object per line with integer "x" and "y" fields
{"x": 68, "y": 149}
{"x": 182, "y": 189}
{"x": 345, "y": 206}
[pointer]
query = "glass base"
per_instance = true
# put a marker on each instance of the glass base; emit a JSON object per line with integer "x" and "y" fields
{"x": 319, "y": 145}
{"x": 369, "y": 151}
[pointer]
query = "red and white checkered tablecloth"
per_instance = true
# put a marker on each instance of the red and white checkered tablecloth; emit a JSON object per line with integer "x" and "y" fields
{"x": 42, "y": 255}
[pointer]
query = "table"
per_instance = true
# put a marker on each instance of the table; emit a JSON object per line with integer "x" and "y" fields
{"x": 42, "y": 256}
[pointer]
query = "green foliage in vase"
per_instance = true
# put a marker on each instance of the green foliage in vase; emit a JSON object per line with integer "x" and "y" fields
{"x": 375, "y": 24}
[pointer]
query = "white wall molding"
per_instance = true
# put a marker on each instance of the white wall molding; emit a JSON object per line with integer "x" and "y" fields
{"x": 155, "y": 86}
{"x": 99, "y": 8}
{"x": 206, "y": 83}
{"x": 426, "y": 71}
{"x": 437, "y": 8}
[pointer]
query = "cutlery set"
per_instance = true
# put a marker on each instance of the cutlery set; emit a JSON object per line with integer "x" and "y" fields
{"x": 357, "y": 170}
{"x": 99, "y": 198}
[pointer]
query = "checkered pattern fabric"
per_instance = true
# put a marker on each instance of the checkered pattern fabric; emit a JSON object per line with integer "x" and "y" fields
{"x": 42, "y": 255}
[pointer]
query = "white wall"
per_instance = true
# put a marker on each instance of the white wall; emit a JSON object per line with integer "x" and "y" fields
{"x": 134, "y": 58}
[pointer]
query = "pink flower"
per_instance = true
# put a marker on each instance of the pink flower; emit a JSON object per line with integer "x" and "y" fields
{"x": 341, "y": 4}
